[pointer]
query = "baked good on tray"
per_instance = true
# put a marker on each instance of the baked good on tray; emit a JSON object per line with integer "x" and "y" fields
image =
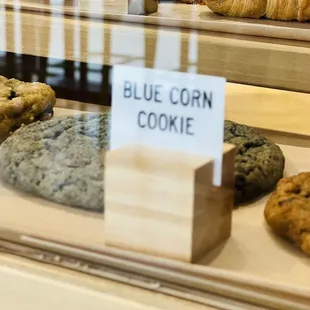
{"x": 23, "y": 103}
{"x": 62, "y": 160}
{"x": 193, "y": 1}
{"x": 271, "y": 9}
{"x": 259, "y": 163}
{"x": 288, "y": 210}
{"x": 59, "y": 159}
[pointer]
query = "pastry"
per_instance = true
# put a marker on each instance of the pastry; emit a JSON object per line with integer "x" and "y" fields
{"x": 23, "y": 103}
{"x": 193, "y": 1}
{"x": 59, "y": 160}
{"x": 288, "y": 210}
{"x": 259, "y": 163}
{"x": 271, "y": 9}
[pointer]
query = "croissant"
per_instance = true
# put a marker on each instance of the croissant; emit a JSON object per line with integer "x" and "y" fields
{"x": 271, "y": 9}
{"x": 194, "y": 1}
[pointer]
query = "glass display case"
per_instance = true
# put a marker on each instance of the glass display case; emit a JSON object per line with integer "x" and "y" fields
{"x": 57, "y": 78}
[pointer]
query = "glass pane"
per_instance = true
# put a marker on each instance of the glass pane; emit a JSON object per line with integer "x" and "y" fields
{"x": 145, "y": 211}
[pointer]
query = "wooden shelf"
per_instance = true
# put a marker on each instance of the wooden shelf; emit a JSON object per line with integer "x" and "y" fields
{"x": 37, "y": 285}
{"x": 175, "y": 14}
{"x": 272, "y": 112}
{"x": 50, "y": 222}
{"x": 245, "y": 59}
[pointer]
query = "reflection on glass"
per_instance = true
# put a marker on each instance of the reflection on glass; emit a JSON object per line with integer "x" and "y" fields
{"x": 172, "y": 43}
{"x": 71, "y": 80}
{"x": 2, "y": 28}
{"x": 71, "y": 58}
{"x": 127, "y": 47}
{"x": 193, "y": 52}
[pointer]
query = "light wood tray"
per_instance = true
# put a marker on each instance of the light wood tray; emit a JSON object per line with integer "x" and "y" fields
{"x": 253, "y": 256}
{"x": 172, "y": 15}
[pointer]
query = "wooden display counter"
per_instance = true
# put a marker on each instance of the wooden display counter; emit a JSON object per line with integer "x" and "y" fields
{"x": 173, "y": 14}
{"x": 284, "y": 65}
{"x": 241, "y": 58}
{"x": 251, "y": 255}
{"x": 40, "y": 286}
{"x": 271, "y": 112}
{"x": 247, "y": 267}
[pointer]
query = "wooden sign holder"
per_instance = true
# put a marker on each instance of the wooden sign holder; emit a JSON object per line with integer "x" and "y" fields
{"x": 140, "y": 7}
{"x": 163, "y": 203}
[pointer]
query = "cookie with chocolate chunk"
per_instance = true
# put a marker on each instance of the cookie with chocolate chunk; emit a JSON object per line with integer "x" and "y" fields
{"x": 259, "y": 163}
{"x": 287, "y": 211}
{"x": 23, "y": 103}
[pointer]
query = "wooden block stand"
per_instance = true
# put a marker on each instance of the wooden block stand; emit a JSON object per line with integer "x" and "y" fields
{"x": 140, "y": 7}
{"x": 163, "y": 203}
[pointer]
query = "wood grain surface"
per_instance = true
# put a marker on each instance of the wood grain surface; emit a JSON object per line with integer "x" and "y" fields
{"x": 276, "y": 63}
{"x": 142, "y": 216}
{"x": 37, "y": 285}
{"x": 279, "y": 115}
{"x": 72, "y": 7}
{"x": 241, "y": 256}
{"x": 175, "y": 14}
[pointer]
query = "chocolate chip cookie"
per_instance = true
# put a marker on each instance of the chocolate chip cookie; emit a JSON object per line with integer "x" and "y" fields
{"x": 288, "y": 210}
{"x": 259, "y": 163}
{"x": 60, "y": 159}
{"x": 23, "y": 103}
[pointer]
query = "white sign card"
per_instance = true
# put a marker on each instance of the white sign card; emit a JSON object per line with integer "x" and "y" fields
{"x": 169, "y": 110}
